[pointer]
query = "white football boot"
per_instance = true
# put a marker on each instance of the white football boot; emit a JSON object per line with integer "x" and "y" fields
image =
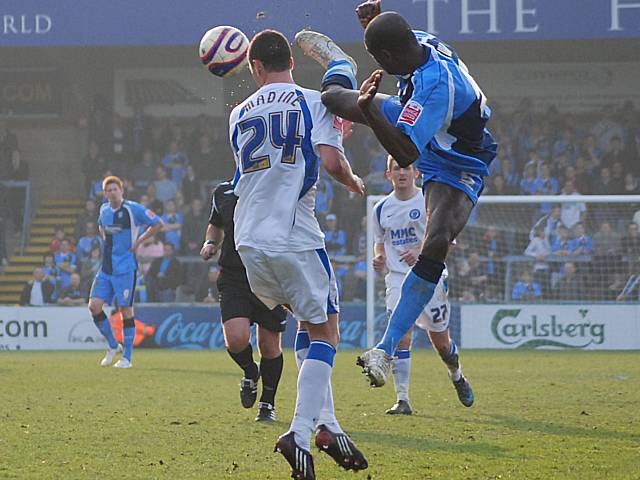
{"x": 123, "y": 363}
{"x": 375, "y": 364}
{"x": 322, "y": 49}
{"x": 110, "y": 355}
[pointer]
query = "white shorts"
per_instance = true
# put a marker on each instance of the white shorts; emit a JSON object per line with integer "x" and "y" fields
{"x": 303, "y": 280}
{"x": 435, "y": 317}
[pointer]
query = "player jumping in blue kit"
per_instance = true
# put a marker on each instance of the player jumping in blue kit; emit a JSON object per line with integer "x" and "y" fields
{"x": 120, "y": 223}
{"x": 438, "y": 121}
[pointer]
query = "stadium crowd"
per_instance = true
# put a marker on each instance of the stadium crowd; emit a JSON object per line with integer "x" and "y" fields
{"x": 568, "y": 251}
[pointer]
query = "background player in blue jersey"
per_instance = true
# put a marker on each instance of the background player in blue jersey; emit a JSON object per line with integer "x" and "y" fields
{"x": 438, "y": 121}
{"x": 120, "y": 222}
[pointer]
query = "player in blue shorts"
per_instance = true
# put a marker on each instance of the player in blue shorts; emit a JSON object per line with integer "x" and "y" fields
{"x": 437, "y": 122}
{"x": 120, "y": 222}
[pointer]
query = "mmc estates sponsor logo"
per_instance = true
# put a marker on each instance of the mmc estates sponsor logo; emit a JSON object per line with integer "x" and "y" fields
{"x": 516, "y": 328}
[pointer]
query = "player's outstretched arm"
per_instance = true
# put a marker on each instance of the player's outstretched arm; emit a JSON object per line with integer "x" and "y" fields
{"x": 212, "y": 240}
{"x": 394, "y": 141}
{"x": 338, "y": 167}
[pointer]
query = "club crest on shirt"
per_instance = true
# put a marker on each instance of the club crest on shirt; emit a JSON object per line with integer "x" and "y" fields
{"x": 120, "y": 214}
{"x": 414, "y": 214}
{"x": 410, "y": 113}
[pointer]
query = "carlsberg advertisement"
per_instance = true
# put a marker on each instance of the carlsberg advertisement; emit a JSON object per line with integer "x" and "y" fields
{"x": 601, "y": 327}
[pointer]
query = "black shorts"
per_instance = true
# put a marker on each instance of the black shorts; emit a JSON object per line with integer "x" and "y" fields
{"x": 241, "y": 302}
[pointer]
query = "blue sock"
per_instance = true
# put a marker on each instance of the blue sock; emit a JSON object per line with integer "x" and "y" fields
{"x": 415, "y": 294}
{"x": 102, "y": 323}
{"x": 340, "y": 72}
{"x": 129, "y": 335}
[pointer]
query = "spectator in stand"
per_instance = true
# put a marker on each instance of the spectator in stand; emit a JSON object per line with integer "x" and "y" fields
{"x": 606, "y": 259}
{"x": 89, "y": 268}
{"x": 335, "y": 240}
{"x": 73, "y": 294}
{"x": 496, "y": 186}
{"x": 89, "y": 241}
{"x": 36, "y": 292}
{"x": 615, "y": 153}
{"x": 494, "y": 250}
{"x": 360, "y": 276}
{"x": 584, "y": 176}
{"x": 203, "y": 157}
{"x": 550, "y": 224}
{"x": 631, "y": 245}
{"x": 165, "y": 189}
{"x": 207, "y": 291}
{"x": 176, "y": 162}
{"x": 606, "y": 242}
{"x": 153, "y": 203}
{"x": 580, "y": 183}
{"x": 359, "y": 244}
{"x": 631, "y": 186}
{"x": 606, "y": 184}
{"x": 66, "y": 261}
{"x": 58, "y": 236}
{"x": 526, "y": 289}
{"x": 591, "y": 151}
{"x": 581, "y": 244}
{"x": 194, "y": 227}
{"x": 181, "y": 207}
{"x": 151, "y": 249}
{"x": 89, "y": 214}
{"x": 324, "y": 197}
{"x": 528, "y": 184}
{"x": 164, "y": 277}
{"x": 473, "y": 274}
{"x": 93, "y": 164}
{"x": 572, "y": 212}
{"x": 617, "y": 177}
{"x": 19, "y": 172}
{"x": 376, "y": 179}
{"x": 566, "y": 144}
{"x": 606, "y": 128}
{"x": 8, "y": 143}
{"x": 510, "y": 176}
{"x": 561, "y": 246}
{"x": 571, "y": 285}
{"x": 539, "y": 249}
{"x": 545, "y": 184}
{"x": 96, "y": 191}
{"x": 144, "y": 173}
{"x": 51, "y": 274}
{"x": 173, "y": 222}
{"x": 191, "y": 187}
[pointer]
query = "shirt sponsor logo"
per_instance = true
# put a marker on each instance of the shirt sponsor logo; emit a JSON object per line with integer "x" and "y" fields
{"x": 411, "y": 113}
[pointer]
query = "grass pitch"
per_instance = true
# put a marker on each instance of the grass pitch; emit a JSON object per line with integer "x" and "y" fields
{"x": 538, "y": 415}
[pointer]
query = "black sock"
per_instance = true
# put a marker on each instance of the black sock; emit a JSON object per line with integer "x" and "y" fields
{"x": 271, "y": 370}
{"x": 244, "y": 359}
{"x": 427, "y": 269}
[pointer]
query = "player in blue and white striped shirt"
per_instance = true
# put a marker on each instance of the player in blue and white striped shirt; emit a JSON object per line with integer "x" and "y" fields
{"x": 120, "y": 222}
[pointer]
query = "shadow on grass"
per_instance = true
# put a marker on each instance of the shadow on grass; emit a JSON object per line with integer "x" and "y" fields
{"x": 558, "y": 429}
{"x": 422, "y": 444}
{"x": 209, "y": 372}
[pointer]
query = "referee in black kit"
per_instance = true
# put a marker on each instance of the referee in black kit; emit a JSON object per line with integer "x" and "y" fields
{"x": 240, "y": 308}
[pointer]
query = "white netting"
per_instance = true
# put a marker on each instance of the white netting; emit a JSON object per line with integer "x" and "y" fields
{"x": 536, "y": 249}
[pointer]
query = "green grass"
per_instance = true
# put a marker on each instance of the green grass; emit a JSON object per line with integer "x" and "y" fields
{"x": 538, "y": 415}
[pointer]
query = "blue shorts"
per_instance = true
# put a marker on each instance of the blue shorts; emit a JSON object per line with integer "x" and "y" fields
{"x": 436, "y": 169}
{"x": 122, "y": 287}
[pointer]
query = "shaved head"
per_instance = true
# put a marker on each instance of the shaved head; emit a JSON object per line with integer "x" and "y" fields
{"x": 391, "y": 41}
{"x": 389, "y": 31}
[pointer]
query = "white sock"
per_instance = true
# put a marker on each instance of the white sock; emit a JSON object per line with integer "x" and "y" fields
{"x": 401, "y": 369}
{"x": 327, "y": 414}
{"x": 314, "y": 377}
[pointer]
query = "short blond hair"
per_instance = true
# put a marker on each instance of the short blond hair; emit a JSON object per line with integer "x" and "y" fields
{"x": 112, "y": 179}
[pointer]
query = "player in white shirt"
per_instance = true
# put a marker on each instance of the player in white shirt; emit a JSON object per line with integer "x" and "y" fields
{"x": 280, "y": 136}
{"x": 399, "y": 223}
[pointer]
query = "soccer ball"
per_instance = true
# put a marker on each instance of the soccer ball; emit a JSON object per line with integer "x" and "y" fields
{"x": 223, "y": 50}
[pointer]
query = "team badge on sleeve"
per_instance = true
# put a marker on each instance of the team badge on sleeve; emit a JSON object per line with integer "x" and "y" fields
{"x": 410, "y": 113}
{"x": 150, "y": 214}
{"x": 338, "y": 123}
